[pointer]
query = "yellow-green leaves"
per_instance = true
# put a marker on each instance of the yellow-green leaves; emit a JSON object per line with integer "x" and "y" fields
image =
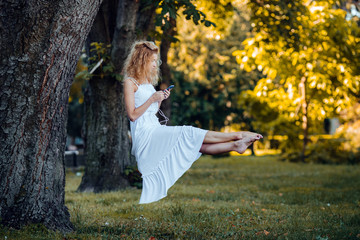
{"x": 303, "y": 39}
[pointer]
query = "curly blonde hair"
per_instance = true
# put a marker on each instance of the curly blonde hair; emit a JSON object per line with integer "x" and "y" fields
{"x": 137, "y": 61}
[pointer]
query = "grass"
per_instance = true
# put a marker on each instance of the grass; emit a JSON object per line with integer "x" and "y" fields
{"x": 223, "y": 198}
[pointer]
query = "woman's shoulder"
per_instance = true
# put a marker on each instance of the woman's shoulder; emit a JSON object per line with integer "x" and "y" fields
{"x": 127, "y": 78}
{"x": 131, "y": 83}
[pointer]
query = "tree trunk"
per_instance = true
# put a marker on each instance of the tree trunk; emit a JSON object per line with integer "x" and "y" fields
{"x": 305, "y": 125}
{"x": 135, "y": 19}
{"x": 107, "y": 143}
{"x": 106, "y": 137}
{"x": 40, "y": 44}
{"x": 164, "y": 67}
{"x": 252, "y": 145}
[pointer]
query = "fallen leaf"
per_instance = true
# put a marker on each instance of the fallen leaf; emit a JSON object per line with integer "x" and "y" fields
{"x": 266, "y": 232}
{"x": 210, "y": 191}
{"x": 237, "y": 210}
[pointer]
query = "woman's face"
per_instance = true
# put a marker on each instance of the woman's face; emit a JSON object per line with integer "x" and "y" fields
{"x": 153, "y": 63}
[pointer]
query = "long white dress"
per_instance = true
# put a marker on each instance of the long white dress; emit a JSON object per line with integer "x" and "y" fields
{"x": 163, "y": 153}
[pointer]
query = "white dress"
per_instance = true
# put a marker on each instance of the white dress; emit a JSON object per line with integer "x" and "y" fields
{"x": 163, "y": 153}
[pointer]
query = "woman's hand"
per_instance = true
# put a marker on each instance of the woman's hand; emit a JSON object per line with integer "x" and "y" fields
{"x": 159, "y": 96}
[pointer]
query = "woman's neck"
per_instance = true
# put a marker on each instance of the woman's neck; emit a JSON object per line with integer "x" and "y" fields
{"x": 143, "y": 81}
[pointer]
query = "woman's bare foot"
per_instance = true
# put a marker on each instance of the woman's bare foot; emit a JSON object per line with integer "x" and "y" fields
{"x": 244, "y": 134}
{"x": 240, "y": 146}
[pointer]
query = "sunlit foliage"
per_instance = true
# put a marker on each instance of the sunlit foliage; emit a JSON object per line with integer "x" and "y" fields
{"x": 305, "y": 44}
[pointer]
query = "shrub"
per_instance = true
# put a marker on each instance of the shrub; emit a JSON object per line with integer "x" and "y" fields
{"x": 134, "y": 176}
{"x": 331, "y": 151}
{"x": 326, "y": 151}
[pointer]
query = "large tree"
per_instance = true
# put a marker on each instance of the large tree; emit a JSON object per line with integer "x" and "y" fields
{"x": 40, "y": 43}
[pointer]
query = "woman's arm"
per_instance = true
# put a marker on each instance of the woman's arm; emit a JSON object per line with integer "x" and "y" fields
{"x": 129, "y": 96}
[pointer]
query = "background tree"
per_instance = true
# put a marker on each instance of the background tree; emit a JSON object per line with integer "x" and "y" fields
{"x": 166, "y": 76}
{"x": 107, "y": 144}
{"x": 40, "y": 43}
{"x": 309, "y": 54}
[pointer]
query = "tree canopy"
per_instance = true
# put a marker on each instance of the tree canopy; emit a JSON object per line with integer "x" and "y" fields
{"x": 303, "y": 43}
{"x": 308, "y": 52}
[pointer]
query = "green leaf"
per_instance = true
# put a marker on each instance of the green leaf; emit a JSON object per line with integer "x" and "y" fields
{"x": 83, "y": 75}
{"x": 108, "y": 68}
{"x": 119, "y": 77}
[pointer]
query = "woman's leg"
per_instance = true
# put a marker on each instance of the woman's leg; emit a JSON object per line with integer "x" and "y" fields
{"x": 217, "y": 148}
{"x": 220, "y": 137}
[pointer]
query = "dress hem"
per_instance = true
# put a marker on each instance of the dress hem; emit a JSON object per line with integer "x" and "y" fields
{"x": 166, "y": 161}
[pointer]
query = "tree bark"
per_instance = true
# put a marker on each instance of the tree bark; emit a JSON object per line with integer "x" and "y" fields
{"x": 106, "y": 131}
{"x": 40, "y": 44}
{"x": 106, "y": 137}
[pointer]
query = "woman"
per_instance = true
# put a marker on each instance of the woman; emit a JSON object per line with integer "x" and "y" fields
{"x": 164, "y": 153}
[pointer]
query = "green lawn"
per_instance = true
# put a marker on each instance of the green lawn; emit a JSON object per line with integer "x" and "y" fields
{"x": 224, "y": 198}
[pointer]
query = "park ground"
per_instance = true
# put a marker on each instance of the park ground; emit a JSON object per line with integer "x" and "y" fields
{"x": 236, "y": 197}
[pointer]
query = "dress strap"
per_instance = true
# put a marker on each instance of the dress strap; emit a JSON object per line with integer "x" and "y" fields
{"x": 134, "y": 81}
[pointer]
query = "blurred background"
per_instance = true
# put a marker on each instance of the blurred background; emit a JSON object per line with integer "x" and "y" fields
{"x": 286, "y": 69}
